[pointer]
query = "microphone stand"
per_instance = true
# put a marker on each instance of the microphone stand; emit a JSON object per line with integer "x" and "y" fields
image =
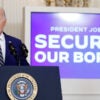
{"x": 18, "y": 60}
{"x": 14, "y": 53}
{"x": 25, "y": 50}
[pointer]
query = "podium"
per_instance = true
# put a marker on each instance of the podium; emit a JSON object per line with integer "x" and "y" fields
{"x": 47, "y": 79}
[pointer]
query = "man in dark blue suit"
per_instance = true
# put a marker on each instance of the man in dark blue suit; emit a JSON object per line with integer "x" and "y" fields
{"x": 13, "y": 55}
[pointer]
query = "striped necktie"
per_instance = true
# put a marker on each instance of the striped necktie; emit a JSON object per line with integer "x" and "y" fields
{"x": 1, "y": 58}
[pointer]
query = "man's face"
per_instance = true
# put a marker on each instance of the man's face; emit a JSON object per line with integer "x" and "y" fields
{"x": 2, "y": 20}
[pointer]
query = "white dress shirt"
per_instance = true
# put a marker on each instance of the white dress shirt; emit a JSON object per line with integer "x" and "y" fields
{"x": 3, "y": 45}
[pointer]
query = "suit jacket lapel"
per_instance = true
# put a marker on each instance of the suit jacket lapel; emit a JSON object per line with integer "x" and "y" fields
{"x": 6, "y": 48}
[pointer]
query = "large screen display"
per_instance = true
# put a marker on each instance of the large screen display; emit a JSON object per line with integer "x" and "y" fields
{"x": 68, "y": 40}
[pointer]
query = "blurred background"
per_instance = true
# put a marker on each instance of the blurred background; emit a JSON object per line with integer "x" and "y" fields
{"x": 15, "y": 11}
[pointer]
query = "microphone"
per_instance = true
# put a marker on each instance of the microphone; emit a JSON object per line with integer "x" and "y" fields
{"x": 12, "y": 49}
{"x": 14, "y": 52}
{"x": 24, "y": 50}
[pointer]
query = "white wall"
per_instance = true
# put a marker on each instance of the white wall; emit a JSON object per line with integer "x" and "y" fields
{"x": 15, "y": 15}
{"x": 95, "y": 3}
{"x": 81, "y": 89}
{"x": 15, "y": 26}
{"x": 81, "y": 97}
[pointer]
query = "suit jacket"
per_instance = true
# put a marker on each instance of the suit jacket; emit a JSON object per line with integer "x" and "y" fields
{"x": 10, "y": 60}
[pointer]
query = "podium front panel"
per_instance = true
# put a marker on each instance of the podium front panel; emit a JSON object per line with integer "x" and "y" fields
{"x": 47, "y": 78}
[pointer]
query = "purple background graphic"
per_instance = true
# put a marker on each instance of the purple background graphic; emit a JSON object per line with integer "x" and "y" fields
{"x": 41, "y": 23}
